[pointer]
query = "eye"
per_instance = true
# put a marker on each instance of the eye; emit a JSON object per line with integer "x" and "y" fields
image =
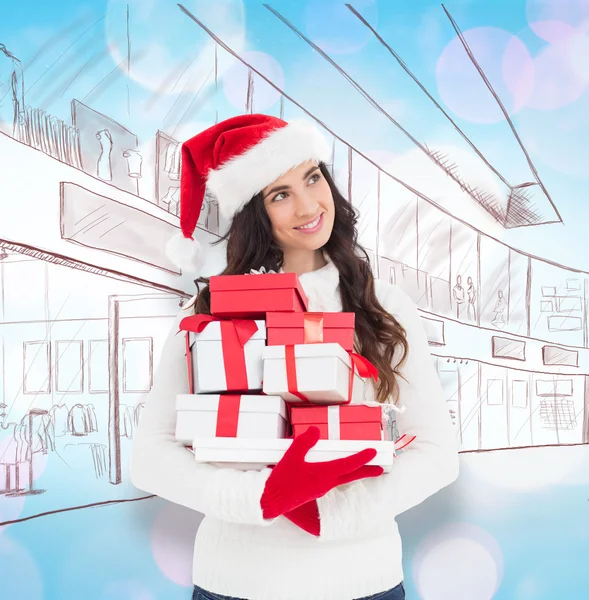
{"x": 278, "y": 198}
{"x": 314, "y": 178}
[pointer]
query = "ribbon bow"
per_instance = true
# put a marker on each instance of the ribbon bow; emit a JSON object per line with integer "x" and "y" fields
{"x": 261, "y": 271}
{"x": 235, "y": 333}
{"x": 244, "y": 328}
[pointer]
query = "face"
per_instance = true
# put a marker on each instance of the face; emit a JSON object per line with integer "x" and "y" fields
{"x": 301, "y": 209}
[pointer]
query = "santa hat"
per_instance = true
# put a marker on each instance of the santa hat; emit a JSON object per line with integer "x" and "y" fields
{"x": 234, "y": 160}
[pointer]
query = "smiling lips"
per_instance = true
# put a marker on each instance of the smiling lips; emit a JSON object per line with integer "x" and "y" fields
{"x": 313, "y": 226}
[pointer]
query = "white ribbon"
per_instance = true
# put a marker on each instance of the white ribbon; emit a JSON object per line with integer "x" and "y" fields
{"x": 261, "y": 271}
{"x": 190, "y": 303}
{"x": 333, "y": 423}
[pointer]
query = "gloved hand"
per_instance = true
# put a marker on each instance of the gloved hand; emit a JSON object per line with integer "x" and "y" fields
{"x": 306, "y": 517}
{"x": 294, "y": 481}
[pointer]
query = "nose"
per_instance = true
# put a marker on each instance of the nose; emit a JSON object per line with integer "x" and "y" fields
{"x": 306, "y": 204}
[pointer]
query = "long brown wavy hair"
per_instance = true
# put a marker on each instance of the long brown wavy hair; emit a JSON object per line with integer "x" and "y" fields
{"x": 250, "y": 245}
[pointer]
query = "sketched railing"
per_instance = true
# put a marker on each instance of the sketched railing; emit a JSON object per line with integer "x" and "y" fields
{"x": 52, "y": 136}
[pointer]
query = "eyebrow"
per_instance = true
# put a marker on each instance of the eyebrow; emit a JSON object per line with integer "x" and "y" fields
{"x": 280, "y": 188}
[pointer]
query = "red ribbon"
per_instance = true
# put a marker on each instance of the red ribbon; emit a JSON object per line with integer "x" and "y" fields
{"x": 403, "y": 443}
{"x": 357, "y": 363}
{"x": 235, "y": 333}
{"x": 228, "y": 416}
{"x": 364, "y": 367}
{"x": 291, "y": 374}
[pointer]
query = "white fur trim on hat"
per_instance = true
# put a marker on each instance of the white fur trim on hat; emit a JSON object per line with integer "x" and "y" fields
{"x": 237, "y": 181}
{"x": 184, "y": 253}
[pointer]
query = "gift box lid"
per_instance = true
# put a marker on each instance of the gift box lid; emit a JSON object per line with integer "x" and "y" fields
{"x": 263, "y": 452}
{"x": 349, "y": 413}
{"x": 331, "y": 320}
{"x": 212, "y": 332}
{"x": 308, "y": 351}
{"x": 249, "y": 403}
{"x": 265, "y": 282}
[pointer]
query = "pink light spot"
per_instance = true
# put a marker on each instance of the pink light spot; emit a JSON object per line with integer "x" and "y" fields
{"x": 557, "y": 82}
{"x": 552, "y": 31}
{"x": 506, "y": 63}
{"x": 172, "y": 543}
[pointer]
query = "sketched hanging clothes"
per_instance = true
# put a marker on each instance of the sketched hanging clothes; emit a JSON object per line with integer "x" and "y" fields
{"x": 77, "y": 422}
{"x": 172, "y": 155}
{"x": 171, "y": 200}
{"x": 134, "y": 163}
{"x": 126, "y": 416}
{"x": 9, "y": 445}
{"x": 138, "y": 411}
{"x": 103, "y": 166}
{"x": 43, "y": 439}
{"x": 92, "y": 424}
{"x": 59, "y": 417}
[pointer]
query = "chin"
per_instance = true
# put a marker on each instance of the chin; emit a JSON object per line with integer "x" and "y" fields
{"x": 315, "y": 244}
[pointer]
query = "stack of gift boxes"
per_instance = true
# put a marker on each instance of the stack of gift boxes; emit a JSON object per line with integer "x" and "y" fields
{"x": 262, "y": 370}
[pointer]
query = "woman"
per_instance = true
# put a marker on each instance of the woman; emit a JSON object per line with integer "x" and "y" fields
{"x": 298, "y": 532}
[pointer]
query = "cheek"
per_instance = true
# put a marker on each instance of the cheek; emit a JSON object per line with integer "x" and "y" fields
{"x": 326, "y": 198}
{"x": 280, "y": 218}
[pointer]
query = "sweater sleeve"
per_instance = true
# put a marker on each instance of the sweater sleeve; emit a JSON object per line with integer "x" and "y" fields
{"x": 428, "y": 464}
{"x": 162, "y": 466}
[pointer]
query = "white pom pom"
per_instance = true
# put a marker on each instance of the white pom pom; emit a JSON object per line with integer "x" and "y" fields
{"x": 184, "y": 253}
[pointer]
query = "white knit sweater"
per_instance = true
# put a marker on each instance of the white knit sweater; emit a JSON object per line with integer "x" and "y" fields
{"x": 238, "y": 553}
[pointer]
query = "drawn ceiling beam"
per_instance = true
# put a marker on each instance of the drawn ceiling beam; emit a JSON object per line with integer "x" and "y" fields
{"x": 335, "y": 136}
{"x": 517, "y": 209}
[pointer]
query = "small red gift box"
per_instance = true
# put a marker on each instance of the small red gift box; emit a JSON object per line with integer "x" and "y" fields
{"x": 310, "y": 328}
{"x": 252, "y": 296}
{"x": 348, "y": 422}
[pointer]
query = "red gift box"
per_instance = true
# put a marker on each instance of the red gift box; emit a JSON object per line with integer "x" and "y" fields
{"x": 252, "y": 296}
{"x": 347, "y": 422}
{"x": 286, "y": 329}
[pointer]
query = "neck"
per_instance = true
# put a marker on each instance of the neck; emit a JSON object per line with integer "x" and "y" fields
{"x": 303, "y": 261}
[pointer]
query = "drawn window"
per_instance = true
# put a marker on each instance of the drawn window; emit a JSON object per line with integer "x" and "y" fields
{"x": 98, "y": 366}
{"x": 435, "y": 331}
{"x": 495, "y": 392}
{"x": 553, "y": 355}
{"x": 69, "y": 367}
{"x": 573, "y": 285}
{"x": 548, "y": 291}
{"x": 519, "y": 393}
{"x": 508, "y": 348}
{"x": 558, "y": 414}
{"x": 137, "y": 365}
{"x": 37, "y": 368}
{"x": 565, "y": 323}
{"x": 554, "y": 387}
{"x": 569, "y": 304}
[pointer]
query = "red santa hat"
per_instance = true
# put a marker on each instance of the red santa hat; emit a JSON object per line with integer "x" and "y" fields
{"x": 234, "y": 160}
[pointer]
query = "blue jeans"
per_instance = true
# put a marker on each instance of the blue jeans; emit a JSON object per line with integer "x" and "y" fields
{"x": 397, "y": 593}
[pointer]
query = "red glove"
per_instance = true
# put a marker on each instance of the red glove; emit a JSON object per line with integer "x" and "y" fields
{"x": 306, "y": 517}
{"x": 294, "y": 481}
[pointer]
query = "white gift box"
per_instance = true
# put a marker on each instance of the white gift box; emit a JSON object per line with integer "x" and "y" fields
{"x": 259, "y": 453}
{"x": 202, "y": 416}
{"x": 322, "y": 374}
{"x": 208, "y": 363}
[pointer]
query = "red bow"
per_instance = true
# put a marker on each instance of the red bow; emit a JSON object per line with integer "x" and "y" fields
{"x": 244, "y": 328}
{"x": 235, "y": 333}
